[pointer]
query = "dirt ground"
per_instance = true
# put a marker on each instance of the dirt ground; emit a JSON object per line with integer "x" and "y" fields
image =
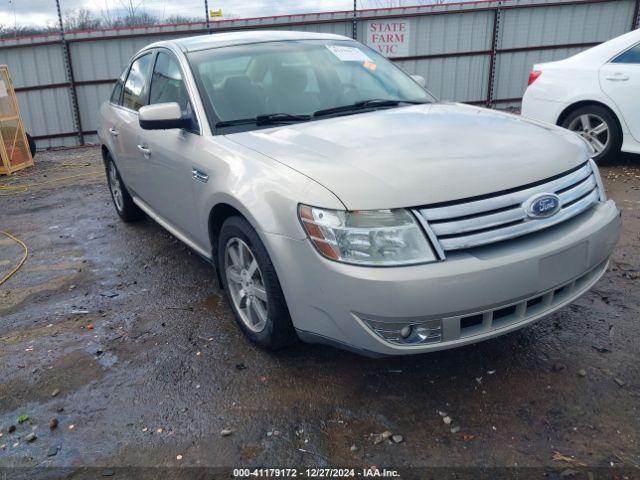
{"x": 121, "y": 334}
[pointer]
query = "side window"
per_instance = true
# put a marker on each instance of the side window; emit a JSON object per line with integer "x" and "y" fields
{"x": 117, "y": 92}
{"x": 166, "y": 82}
{"x": 630, "y": 56}
{"x": 135, "y": 87}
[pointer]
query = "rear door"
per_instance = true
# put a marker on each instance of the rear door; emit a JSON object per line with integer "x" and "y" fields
{"x": 620, "y": 81}
{"x": 131, "y": 161}
{"x": 170, "y": 179}
{"x": 110, "y": 120}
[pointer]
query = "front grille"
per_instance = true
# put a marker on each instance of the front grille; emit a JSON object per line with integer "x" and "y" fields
{"x": 490, "y": 219}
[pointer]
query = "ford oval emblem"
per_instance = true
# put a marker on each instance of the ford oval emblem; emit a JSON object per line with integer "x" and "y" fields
{"x": 542, "y": 205}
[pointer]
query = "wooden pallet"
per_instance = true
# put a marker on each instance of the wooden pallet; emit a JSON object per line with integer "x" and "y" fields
{"x": 14, "y": 147}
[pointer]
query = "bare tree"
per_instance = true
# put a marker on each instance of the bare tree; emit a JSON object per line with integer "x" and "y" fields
{"x": 131, "y": 7}
{"x": 179, "y": 19}
{"x": 400, "y": 3}
{"x": 135, "y": 14}
{"x": 20, "y": 30}
{"x": 140, "y": 18}
{"x": 107, "y": 15}
{"x": 81, "y": 19}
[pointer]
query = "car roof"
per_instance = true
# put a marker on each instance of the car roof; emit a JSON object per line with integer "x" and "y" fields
{"x": 603, "y": 52}
{"x": 216, "y": 40}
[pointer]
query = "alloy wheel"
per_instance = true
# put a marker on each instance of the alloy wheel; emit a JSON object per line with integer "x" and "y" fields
{"x": 246, "y": 284}
{"x": 592, "y": 128}
{"x": 116, "y": 187}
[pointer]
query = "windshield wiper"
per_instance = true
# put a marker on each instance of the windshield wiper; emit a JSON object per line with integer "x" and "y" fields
{"x": 363, "y": 105}
{"x": 270, "y": 119}
{"x": 283, "y": 118}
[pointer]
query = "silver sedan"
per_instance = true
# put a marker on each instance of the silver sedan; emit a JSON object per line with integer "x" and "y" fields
{"x": 342, "y": 204}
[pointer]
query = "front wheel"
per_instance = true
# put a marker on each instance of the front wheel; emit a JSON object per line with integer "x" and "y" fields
{"x": 598, "y": 127}
{"x": 252, "y": 286}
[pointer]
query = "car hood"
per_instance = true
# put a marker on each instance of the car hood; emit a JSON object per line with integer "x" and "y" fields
{"x": 419, "y": 155}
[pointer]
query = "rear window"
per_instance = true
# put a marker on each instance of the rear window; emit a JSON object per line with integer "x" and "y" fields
{"x": 630, "y": 56}
{"x": 117, "y": 92}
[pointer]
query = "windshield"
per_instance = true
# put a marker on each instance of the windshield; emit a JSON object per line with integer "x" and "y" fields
{"x": 297, "y": 78}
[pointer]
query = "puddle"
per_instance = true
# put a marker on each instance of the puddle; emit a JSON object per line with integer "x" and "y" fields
{"x": 104, "y": 358}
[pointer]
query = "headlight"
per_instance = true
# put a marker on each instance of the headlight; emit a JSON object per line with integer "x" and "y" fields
{"x": 367, "y": 237}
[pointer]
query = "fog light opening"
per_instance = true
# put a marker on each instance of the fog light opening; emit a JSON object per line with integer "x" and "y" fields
{"x": 424, "y": 334}
{"x": 406, "y": 331}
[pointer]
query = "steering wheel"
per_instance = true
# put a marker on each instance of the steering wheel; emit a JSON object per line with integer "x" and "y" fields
{"x": 345, "y": 90}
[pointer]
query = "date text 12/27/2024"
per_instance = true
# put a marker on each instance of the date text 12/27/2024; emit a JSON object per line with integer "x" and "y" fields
{"x": 371, "y": 472}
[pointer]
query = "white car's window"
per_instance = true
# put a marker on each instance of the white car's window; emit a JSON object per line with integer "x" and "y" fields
{"x": 630, "y": 56}
{"x": 135, "y": 87}
{"x": 166, "y": 82}
{"x": 296, "y": 78}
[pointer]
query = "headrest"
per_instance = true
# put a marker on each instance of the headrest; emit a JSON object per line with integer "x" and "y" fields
{"x": 238, "y": 84}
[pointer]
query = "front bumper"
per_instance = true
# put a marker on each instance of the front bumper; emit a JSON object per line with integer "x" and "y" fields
{"x": 328, "y": 300}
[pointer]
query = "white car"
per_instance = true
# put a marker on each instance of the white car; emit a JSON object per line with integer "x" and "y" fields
{"x": 595, "y": 93}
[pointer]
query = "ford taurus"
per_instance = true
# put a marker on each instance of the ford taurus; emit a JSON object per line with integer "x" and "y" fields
{"x": 341, "y": 203}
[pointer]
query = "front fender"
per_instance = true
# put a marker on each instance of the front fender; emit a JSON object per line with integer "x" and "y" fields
{"x": 264, "y": 191}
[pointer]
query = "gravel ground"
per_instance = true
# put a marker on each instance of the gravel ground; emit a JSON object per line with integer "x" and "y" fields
{"x": 121, "y": 334}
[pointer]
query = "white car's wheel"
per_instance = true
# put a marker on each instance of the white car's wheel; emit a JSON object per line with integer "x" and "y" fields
{"x": 598, "y": 127}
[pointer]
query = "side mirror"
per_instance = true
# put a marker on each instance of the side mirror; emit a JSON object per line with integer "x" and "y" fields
{"x": 162, "y": 116}
{"x": 419, "y": 79}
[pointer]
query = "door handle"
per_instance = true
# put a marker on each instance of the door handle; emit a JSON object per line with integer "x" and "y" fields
{"x": 113, "y": 132}
{"x": 145, "y": 151}
{"x": 199, "y": 175}
{"x": 617, "y": 78}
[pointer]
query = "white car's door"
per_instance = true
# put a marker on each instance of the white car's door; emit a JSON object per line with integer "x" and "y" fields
{"x": 620, "y": 81}
{"x": 169, "y": 179}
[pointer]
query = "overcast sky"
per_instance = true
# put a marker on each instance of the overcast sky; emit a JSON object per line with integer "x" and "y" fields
{"x": 43, "y": 12}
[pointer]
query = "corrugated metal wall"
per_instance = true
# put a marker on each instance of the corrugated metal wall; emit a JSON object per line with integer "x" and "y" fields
{"x": 558, "y": 26}
{"x": 477, "y": 52}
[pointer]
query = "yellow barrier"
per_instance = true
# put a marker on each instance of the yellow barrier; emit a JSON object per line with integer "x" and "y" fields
{"x": 14, "y": 147}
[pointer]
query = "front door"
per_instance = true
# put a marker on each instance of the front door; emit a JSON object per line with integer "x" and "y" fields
{"x": 169, "y": 154}
{"x": 131, "y": 164}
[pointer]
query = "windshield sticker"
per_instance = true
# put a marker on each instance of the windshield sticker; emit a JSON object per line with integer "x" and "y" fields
{"x": 348, "y": 54}
{"x": 370, "y": 65}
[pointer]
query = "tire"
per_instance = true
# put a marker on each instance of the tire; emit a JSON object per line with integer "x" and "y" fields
{"x": 597, "y": 115}
{"x": 32, "y": 145}
{"x": 275, "y": 330}
{"x": 127, "y": 210}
